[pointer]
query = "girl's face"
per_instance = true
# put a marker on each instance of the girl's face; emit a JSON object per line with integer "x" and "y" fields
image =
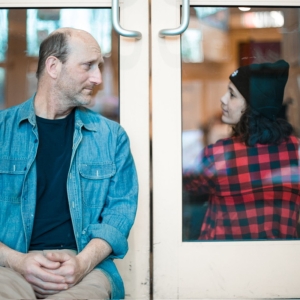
{"x": 233, "y": 105}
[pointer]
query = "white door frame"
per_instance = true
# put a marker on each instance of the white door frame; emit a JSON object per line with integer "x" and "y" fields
{"x": 134, "y": 117}
{"x": 188, "y": 270}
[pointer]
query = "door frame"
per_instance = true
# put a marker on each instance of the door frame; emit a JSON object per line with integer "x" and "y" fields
{"x": 134, "y": 117}
{"x": 189, "y": 270}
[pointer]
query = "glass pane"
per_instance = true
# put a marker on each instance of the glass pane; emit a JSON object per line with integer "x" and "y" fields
{"x": 2, "y": 85}
{"x": 240, "y": 188}
{"x": 27, "y": 28}
{"x": 4, "y": 34}
{"x": 40, "y": 22}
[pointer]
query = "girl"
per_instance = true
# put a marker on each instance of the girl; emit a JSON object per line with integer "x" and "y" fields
{"x": 253, "y": 176}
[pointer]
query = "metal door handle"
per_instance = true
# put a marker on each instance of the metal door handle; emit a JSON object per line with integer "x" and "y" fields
{"x": 185, "y": 21}
{"x": 116, "y": 24}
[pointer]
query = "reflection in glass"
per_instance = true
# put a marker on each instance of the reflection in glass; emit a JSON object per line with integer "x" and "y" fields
{"x": 29, "y": 27}
{"x": 230, "y": 38}
{"x": 4, "y": 35}
{"x": 40, "y": 22}
{"x": 191, "y": 46}
{"x": 263, "y": 19}
{"x": 2, "y": 86}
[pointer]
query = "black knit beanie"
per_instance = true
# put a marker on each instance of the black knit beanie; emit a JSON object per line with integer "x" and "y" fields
{"x": 262, "y": 85}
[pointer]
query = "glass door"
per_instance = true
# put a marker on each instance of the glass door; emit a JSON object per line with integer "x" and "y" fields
{"x": 190, "y": 73}
{"x": 123, "y": 96}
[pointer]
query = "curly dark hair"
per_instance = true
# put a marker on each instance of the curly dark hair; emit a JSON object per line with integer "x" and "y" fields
{"x": 253, "y": 128}
{"x": 55, "y": 44}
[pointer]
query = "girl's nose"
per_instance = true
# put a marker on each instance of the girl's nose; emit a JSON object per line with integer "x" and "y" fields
{"x": 224, "y": 98}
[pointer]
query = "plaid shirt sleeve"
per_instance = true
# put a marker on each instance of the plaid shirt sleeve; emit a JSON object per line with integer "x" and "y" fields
{"x": 254, "y": 191}
{"x": 201, "y": 181}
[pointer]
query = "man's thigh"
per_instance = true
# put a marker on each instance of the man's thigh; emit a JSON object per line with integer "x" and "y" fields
{"x": 95, "y": 285}
{"x": 14, "y": 286}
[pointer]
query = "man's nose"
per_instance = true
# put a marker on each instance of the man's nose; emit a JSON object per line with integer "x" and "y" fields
{"x": 96, "y": 77}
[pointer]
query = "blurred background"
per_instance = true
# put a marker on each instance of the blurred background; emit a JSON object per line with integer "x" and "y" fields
{"x": 22, "y": 31}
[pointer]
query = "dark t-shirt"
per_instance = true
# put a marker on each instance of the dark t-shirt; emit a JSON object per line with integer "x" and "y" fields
{"x": 52, "y": 227}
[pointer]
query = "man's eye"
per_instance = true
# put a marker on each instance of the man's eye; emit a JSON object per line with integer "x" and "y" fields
{"x": 231, "y": 95}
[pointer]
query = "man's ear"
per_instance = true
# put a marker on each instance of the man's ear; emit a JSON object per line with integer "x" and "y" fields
{"x": 53, "y": 66}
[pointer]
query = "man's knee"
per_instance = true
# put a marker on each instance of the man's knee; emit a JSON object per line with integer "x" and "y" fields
{"x": 95, "y": 285}
{"x": 14, "y": 286}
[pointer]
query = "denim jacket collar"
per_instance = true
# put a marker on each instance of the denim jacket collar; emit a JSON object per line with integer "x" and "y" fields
{"x": 81, "y": 119}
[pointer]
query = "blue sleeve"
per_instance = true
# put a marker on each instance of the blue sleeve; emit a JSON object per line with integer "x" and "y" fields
{"x": 118, "y": 214}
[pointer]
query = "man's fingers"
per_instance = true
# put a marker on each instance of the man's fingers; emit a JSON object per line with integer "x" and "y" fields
{"x": 68, "y": 272}
{"x": 41, "y": 292}
{"x": 40, "y": 274}
{"x": 40, "y": 286}
{"x": 60, "y": 257}
{"x": 47, "y": 263}
{"x": 60, "y": 271}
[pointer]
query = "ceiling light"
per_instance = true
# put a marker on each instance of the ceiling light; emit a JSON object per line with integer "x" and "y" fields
{"x": 244, "y": 8}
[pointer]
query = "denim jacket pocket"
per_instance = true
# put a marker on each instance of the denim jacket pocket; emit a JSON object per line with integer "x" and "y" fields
{"x": 12, "y": 173}
{"x": 95, "y": 179}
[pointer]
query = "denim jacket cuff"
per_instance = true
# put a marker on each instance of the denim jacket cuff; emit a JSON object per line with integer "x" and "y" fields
{"x": 112, "y": 236}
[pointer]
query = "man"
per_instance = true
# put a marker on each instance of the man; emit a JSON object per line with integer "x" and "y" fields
{"x": 68, "y": 185}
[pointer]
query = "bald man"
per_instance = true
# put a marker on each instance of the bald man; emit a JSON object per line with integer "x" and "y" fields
{"x": 68, "y": 184}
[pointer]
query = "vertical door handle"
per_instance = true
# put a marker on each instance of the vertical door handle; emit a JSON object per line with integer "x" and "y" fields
{"x": 116, "y": 24}
{"x": 185, "y": 21}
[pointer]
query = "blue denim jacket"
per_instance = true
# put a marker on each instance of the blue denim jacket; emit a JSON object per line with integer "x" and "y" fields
{"x": 102, "y": 183}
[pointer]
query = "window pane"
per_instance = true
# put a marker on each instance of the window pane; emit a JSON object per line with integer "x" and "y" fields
{"x": 2, "y": 85}
{"x": 40, "y": 22}
{"x": 219, "y": 205}
{"x": 4, "y": 34}
{"x": 27, "y": 28}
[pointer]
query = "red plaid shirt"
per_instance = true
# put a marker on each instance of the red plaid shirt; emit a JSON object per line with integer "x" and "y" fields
{"x": 254, "y": 191}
